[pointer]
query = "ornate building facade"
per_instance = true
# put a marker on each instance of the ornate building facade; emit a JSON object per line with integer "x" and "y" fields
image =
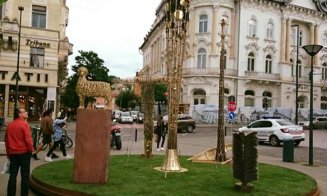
{"x": 43, "y": 58}
{"x": 261, "y": 52}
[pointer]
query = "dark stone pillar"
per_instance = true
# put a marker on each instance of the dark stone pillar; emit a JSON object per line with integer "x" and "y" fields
{"x": 92, "y": 146}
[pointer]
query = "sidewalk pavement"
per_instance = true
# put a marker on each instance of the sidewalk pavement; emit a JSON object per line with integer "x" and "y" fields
{"x": 186, "y": 147}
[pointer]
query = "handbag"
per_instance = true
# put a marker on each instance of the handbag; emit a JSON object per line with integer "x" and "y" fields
{"x": 5, "y": 169}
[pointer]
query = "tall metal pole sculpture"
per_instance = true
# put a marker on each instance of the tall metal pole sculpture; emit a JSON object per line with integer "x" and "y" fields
{"x": 221, "y": 154}
{"x": 176, "y": 18}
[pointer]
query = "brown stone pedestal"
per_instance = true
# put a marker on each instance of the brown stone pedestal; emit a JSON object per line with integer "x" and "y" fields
{"x": 92, "y": 146}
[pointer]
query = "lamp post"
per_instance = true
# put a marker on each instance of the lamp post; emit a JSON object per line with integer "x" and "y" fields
{"x": 297, "y": 75}
{"x": 20, "y": 8}
{"x": 312, "y": 50}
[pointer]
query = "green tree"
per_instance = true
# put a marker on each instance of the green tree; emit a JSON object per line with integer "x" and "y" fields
{"x": 97, "y": 72}
{"x": 126, "y": 99}
{"x": 159, "y": 94}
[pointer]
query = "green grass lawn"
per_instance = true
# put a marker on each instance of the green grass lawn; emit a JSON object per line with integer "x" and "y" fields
{"x": 134, "y": 175}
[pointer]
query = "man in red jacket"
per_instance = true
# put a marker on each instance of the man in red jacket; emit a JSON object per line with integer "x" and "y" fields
{"x": 19, "y": 148}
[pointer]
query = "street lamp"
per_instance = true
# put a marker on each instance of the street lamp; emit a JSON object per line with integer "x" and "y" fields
{"x": 20, "y": 8}
{"x": 297, "y": 75}
{"x": 312, "y": 50}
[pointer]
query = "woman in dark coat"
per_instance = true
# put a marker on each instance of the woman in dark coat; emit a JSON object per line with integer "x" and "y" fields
{"x": 161, "y": 132}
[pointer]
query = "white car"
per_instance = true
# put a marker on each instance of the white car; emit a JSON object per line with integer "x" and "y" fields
{"x": 125, "y": 117}
{"x": 275, "y": 131}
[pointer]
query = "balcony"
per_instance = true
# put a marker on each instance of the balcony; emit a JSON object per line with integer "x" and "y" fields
{"x": 261, "y": 75}
{"x": 207, "y": 72}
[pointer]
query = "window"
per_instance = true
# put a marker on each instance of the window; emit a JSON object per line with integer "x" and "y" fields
{"x": 323, "y": 103}
{"x": 300, "y": 37}
{"x": 226, "y": 95}
{"x": 268, "y": 64}
{"x": 249, "y": 98}
{"x": 199, "y": 97}
{"x": 292, "y": 71}
{"x": 203, "y": 23}
{"x": 39, "y": 16}
{"x": 303, "y": 102}
{"x": 202, "y": 56}
{"x": 270, "y": 30}
{"x": 299, "y": 69}
{"x": 324, "y": 39}
{"x": 267, "y": 99}
{"x": 251, "y": 62}
{"x": 252, "y": 27}
{"x": 37, "y": 57}
{"x": 324, "y": 71}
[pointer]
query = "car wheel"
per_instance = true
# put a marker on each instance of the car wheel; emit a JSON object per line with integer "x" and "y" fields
{"x": 189, "y": 129}
{"x": 297, "y": 143}
{"x": 274, "y": 141}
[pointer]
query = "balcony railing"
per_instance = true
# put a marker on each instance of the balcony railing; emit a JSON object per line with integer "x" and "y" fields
{"x": 208, "y": 72}
{"x": 262, "y": 75}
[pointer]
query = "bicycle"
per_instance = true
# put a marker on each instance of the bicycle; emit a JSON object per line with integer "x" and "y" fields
{"x": 67, "y": 140}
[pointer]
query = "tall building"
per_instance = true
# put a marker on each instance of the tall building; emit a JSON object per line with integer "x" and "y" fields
{"x": 261, "y": 52}
{"x": 43, "y": 58}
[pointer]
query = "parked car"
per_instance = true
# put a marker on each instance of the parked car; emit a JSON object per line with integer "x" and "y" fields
{"x": 134, "y": 114}
{"x": 275, "y": 131}
{"x": 184, "y": 122}
{"x": 116, "y": 114}
{"x": 318, "y": 123}
{"x": 125, "y": 117}
{"x": 140, "y": 117}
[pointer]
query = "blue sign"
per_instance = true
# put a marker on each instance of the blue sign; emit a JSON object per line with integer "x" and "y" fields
{"x": 231, "y": 115}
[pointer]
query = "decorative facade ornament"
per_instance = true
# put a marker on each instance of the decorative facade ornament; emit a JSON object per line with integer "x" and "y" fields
{"x": 321, "y": 5}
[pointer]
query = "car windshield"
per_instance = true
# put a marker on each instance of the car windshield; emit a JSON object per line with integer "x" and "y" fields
{"x": 284, "y": 122}
{"x": 134, "y": 112}
{"x": 141, "y": 114}
{"x": 125, "y": 114}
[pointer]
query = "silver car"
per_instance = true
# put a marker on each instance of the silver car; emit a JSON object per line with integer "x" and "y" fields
{"x": 125, "y": 117}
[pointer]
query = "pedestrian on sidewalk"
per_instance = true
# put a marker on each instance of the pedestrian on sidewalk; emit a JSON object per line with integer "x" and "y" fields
{"x": 19, "y": 148}
{"x": 161, "y": 133}
{"x": 46, "y": 129}
{"x": 58, "y": 125}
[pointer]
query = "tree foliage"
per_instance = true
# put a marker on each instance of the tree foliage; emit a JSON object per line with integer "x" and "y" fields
{"x": 97, "y": 72}
{"x": 126, "y": 99}
{"x": 159, "y": 92}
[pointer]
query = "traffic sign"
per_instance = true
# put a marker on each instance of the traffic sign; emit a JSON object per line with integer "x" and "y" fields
{"x": 231, "y": 115}
{"x": 231, "y": 106}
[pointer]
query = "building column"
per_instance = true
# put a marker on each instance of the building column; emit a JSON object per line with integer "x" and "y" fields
{"x": 214, "y": 33}
{"x": 192, "y": 30}
{"x": 317, "y": 41}
{"x": 283, "y": 40}
{"x": 288, "y": 43}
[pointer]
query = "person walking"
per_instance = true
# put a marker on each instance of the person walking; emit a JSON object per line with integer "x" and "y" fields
{"x": 46, "y": 131}
{"x": 161, "y": 133}
{"x": 58, "y": 125}
{"x": 19, "y": 148}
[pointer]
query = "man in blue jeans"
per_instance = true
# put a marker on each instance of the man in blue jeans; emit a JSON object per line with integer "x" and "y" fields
{"x": 19, "y": 148}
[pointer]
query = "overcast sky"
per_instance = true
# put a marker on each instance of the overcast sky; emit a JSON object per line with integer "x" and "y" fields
{"x": 114, "y": 29}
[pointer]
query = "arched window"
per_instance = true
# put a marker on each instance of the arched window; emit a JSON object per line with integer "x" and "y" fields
{"x": 324, "y": 71}
{"x": 266, "y": 99}
{"x": 252, "y": 27}
{"x": 251, "y": 59}
{"x": 199, "y": 97}
{"x": 203, "y": 23}
{"x": 249, "y": 98}
{"x": 323, "y": 103}
{"x": 270, "y": 30}
{"x": 268, "y": 64}
{"x": 202, "y": 57}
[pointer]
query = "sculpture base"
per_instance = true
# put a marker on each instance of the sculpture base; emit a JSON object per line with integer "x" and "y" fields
{"x": 92, "y": 146}
{"x": 171, "y": 163}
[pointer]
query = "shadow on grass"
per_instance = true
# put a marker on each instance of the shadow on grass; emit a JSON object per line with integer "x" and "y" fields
{"x": 134, "y": 175}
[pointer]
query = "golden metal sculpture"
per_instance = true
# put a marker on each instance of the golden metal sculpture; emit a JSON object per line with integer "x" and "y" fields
{"x": 176, "y": 18}
{"x": 85, "y": 88}
{"x": 221, "y": 154}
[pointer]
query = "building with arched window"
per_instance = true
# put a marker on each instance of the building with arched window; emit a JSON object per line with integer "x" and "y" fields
{"x": 43, "y": 58}
{"x": 261, "y": 51}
